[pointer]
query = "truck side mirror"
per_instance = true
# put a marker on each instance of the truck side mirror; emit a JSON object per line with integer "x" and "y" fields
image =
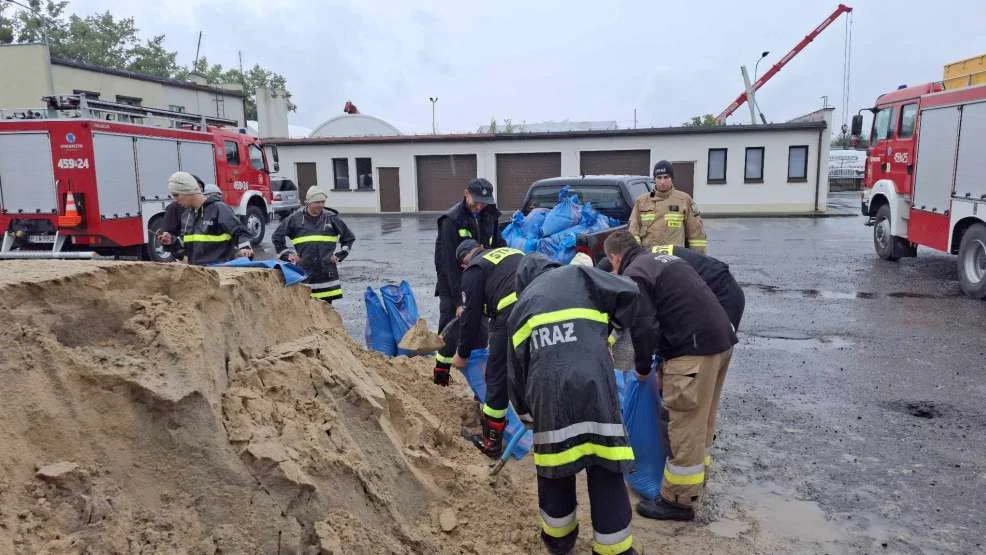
{"x": 857, "y": 125}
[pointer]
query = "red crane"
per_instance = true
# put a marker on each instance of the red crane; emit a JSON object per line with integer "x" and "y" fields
{"x": 721, "y": 118}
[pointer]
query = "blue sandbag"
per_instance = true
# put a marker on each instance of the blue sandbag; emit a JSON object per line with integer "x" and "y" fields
{"x": 402, "y": 311}
{"x": 564, "y": 215}
{"x": 641, "y": 407}
{"x": 378, "y": 334}
{"x": 475, "y": 374}
{"x": 559, "y": 247}
{"x": 533, "y": 223}
{"x": 292, "y": 273}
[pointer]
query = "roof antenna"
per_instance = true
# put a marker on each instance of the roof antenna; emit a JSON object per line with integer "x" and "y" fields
{"x": 197, "y": 47}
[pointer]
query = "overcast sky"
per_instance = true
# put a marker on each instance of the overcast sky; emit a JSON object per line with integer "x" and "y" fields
{"x": 540, "y": 60}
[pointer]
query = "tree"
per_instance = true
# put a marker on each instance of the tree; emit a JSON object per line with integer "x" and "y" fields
{"x": 508, "y": 126}
{"x": 253, "y": 79}
{"x": 492, "y": 126}
{"x": 705, "y": 120}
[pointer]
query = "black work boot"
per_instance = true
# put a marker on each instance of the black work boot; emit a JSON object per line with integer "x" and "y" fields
{"x": 662, "y": 509}
{"x": 560, "y": 546}
{"x": 491, "y": 441}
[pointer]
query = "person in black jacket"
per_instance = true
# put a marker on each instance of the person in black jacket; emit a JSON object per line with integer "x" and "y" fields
{"x": 679, "y": 319}
{"x": 716, "y": 275}
{"x": 210, "y": 231}
{"x": 314, "y": 231}
{"x": 475, "y": 217}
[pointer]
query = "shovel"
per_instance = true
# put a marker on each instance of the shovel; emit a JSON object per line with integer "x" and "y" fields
{"x": 506, "y": 452}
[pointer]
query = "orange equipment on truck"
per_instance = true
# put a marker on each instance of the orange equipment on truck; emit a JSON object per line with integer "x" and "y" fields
{"x": 83, "y": 177}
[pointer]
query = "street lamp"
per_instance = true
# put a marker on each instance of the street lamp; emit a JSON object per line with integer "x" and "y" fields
{"x": 755, "y": 68}
{"x": 433, "y": 100}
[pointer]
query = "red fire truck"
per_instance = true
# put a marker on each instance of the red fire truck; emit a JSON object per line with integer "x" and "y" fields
{"x": 83, "y": 176}
{"x": 925, "y": 180}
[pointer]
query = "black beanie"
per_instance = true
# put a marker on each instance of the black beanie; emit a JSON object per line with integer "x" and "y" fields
{"x": 663, "y": 168}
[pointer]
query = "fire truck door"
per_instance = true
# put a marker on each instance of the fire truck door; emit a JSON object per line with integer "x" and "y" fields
{"x": 27, "y": 178}
{"x": 937, "y": 142}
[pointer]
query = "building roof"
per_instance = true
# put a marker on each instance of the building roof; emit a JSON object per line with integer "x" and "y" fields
{"x": 350, "y": 124}
{"x": 473, "y": 137}
{"x": 146, "y": 77}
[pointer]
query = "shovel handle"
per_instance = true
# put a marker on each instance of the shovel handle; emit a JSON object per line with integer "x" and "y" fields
{"x": 507, "y": 451}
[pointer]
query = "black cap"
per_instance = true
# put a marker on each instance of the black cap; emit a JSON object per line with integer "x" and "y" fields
{"x": 481, "y": 190}
{"x": 663, "y": 168}
{"x": 465, "y": 248}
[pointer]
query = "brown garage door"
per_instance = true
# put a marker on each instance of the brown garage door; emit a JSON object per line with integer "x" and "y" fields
{"x": 615, "y": 162}
{"x": 516, "y": 172}
{"x": 441, "y": 180}
{"x": 684, "y": 176}
{"x": 390, "y": 189}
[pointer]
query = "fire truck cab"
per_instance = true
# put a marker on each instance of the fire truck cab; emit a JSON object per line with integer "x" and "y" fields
{"x": 92, "y": 175}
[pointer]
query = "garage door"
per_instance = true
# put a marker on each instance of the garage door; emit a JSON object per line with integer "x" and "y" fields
{"x": 516, "y": 172}
{"x": 441, "y": 180}
{"x": 615, "y": 162}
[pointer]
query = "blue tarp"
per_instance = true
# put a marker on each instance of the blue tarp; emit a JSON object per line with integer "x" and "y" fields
{"x": 402, "y": 311}
{"x": 475, "y": 374}
{"x": 378, "y": 333}
{"x": 291, "y": 273}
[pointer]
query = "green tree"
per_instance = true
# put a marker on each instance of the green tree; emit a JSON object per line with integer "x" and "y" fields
{"x": 705, "y": 120}
{"x": 508, "y": 126}
{"x": 492, "y": 125}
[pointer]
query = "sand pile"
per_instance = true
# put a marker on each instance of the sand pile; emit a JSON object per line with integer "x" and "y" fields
{"x": 165, "y": 408}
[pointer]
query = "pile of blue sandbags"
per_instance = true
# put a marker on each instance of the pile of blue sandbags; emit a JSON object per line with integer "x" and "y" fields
{"x": 553, "y": 232}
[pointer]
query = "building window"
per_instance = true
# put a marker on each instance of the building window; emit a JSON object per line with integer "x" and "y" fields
{"x": 91, "y": 95}
{"x": 364, "y": 174}
{"x": 907, "y": 116}
{"x": 797, "y": 164}
{"x": 753, "y": 172}
{"x": 176, "y": 108}
{"x": 129, "y": 100}
{"x": 716, "y": 174}
{"x": 232, "y": 153}
{"x": 340, "y": 169}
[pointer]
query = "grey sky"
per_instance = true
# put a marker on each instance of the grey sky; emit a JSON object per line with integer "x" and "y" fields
{"x": 551, "y": 60}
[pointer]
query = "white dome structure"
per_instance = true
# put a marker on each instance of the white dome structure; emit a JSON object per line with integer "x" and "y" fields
{"x": 355, "y": 125}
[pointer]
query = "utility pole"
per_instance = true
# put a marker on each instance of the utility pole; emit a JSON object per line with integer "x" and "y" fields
{"x": 240, "y": 54}
{"x": 198, "y": 46}
{"x": 634, "y": 118}
{"x": 433, "y": 100}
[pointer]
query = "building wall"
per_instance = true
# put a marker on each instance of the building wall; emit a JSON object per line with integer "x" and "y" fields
{"x": 25, "y": 75}
{"x": 775, "y": 194}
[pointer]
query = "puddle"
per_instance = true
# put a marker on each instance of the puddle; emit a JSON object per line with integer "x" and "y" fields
{"x": 836, "y": 295}
{"x": 917, "y": 409}
{"x": 787, "y": 517}
{"x": 793, "y": 340}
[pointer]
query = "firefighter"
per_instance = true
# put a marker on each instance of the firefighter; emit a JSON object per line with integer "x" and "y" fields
{"x": 488, "y": 291}
{"x": 475, "y": 217}
{"x": 680, "y": 320}
{"x": 716, "y": 275}
{"x": 561, "y": 379}
{"x": 667, "y": 215}
{"x": 210, "y": 231}
{"x": 314, "y": 231}
{"x": 171, "y": 220}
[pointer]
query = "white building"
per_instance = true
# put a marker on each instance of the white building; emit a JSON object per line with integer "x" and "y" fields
{"x": 768, "y": 169}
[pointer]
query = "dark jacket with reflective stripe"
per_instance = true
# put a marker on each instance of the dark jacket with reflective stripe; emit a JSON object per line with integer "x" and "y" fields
{"x": 678, "y": 315}
{"x": 454, "y": 226}
{"x": 314, "y": 239}
{"x": 488, "y": 280}
{"x": 560, "y": 371}
{"x": 212, "y": 233}
{"x": 716, "y": 275}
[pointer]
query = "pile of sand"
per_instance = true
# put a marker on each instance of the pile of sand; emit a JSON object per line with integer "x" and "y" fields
{"x": 165, "y": 408}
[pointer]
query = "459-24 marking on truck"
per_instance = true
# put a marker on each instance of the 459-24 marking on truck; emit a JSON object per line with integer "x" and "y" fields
{"x": 73, "y": 163}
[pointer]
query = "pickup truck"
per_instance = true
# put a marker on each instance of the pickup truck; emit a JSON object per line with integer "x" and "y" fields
{"x": 612, "y": 195}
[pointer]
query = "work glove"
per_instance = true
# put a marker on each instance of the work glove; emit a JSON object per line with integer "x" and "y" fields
{"x": 342, "y": 254}
{"x": 441, "y": 376}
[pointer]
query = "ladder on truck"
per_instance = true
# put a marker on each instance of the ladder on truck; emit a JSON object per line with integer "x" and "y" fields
{"x": 79, "y": 106}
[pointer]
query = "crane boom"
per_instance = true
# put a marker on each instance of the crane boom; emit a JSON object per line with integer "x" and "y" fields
{"x": 783, "y": 61}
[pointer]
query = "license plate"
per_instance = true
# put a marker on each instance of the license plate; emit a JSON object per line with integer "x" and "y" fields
{"x": 42, "y": 238}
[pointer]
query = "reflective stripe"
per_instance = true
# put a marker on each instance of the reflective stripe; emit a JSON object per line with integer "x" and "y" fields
{"x": 663, "y": 249}
{"x": 708, "y": 460}
{"x": 611, "y": 340}
{"x": 698, "y": 242}
{"x": 684, "y": 475}
{"x": 637, "y": 237}
{"x": 324, "y": 284}
{"x": 556, "y": 316}
{"x": 327, "y": 294}
{"x": 494, "y": 413}
{"x": 558, "y": 527}
{"x": 443, "y": 359}
{"x": 465, "y": 233}
{"x": 577, "y": 429}
{"x": 647, "y": 217}
{"x": 202, "y": 238}
{"x": 616, "y": 542}
{"x": 584, "y": 450}
{"x": 506, "y": 301}
{"x": 315, "y": 239}
{"x": 497, "y": 255}
{"x": 673, "y": 219}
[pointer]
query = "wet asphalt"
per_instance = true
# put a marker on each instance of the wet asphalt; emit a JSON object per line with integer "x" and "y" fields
{"x": 858, "y": 384}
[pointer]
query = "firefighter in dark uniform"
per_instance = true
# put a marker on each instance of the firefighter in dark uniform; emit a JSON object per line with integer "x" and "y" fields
{"x": 561, "y": 379}
{"x": 210, "y": 231}
{"x": 488, "y": 291}
{"x": 716, "y": 275}
{"x": 680, "y": 320}
{"x": 475, "y": 217}
{"x": 315, "y": 231}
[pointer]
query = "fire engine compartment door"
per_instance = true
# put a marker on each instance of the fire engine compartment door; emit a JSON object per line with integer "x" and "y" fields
{"x": 936, "y": 159}
{"x": 116, "y": 176}
{"x": 27, "y": 177}
{"x": 199, "y": 159}
{"x": 970, "y": 172}
{"x": 157, "y": 159}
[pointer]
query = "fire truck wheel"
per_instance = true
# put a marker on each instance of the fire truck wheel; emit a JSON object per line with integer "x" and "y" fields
{"x": 883, "y": 240}
{"x": 255, "y": 222}
{"x": 153, "y": 249}
{"x": 972, "y": 261}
